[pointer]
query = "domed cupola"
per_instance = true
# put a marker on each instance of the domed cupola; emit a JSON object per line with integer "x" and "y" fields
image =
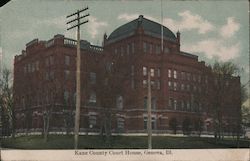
{"x": 149, "y": 27}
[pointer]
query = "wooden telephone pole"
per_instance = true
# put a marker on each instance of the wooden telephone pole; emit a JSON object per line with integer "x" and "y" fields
{"x": 78, "y": 69}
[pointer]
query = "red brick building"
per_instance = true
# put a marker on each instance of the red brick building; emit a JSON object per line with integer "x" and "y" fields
{"x": 182, "y": 87}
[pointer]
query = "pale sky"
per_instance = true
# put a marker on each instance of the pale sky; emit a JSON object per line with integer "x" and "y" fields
{"x": 213, "y": 30}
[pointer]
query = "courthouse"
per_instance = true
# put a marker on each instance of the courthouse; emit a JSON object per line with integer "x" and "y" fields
{"x": 114, "y": 88}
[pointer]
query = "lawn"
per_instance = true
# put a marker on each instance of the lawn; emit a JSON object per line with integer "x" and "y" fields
{"x": 119, "y": 142}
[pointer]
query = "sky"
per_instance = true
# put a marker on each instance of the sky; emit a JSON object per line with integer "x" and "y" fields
{"x": 213, "y": 30}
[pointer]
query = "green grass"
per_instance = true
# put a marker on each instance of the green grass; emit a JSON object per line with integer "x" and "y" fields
{"x": 119, "y": 142}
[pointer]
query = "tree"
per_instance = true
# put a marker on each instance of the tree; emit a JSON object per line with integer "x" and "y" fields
{"x": 114, "y": 75}
{"x": 245, "y": 108}
{"x": 173, "y": 124}
{"x": 6, "y": 101}
{"x": 198, "y": 126}
{"x": 186, "y": 126}
{"x": 49, "y": 98}
{"x": 68, "y": 117}
{"x": 223, "y": 90}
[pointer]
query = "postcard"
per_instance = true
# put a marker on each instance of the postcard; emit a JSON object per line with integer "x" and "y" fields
{"x": 124, "y": 80}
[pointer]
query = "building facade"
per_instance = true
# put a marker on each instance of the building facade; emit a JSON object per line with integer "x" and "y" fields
{"x": 114, "y": 84}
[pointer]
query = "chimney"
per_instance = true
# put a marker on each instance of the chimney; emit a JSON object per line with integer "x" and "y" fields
{"x": 178, "y": 34}
{"x": 104, "y": 39}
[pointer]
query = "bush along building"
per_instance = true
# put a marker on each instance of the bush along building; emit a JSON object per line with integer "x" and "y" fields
{"x": 185, "y": 95}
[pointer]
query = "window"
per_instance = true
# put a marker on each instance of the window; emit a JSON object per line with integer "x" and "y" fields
{"x": 169, "y": 84}
{"x": 29, "y": 68}
{"x": 158, "y": 72}
{"x": 153, "y": 103}
{"x": 183, "y": 76}
{"x": 152, "y": 72}
{"x": 158, "y": 84}
{"x": 194, "y": 88}
{"x": 188, "y": 87}
{"x": 66, "y": 96}
{"x": 92, "y": 120}
{"x": 52, "y": 75}
{"x": 32, "y": 67}
{"x": 169, "y": 73}
{"x": 170, "y": 102}
{"x": 182, "y": 105}
{"x": 122, "y": 51}
{"x": 175, "y": 104}
{"x": 166, "y": 50}
{"x": 145, "y": 122}
{"x": 37, "y": 65}
{"x": 145, "y": 102}
{"x": 46, "y": 75}
{"x": 67, "y": 74}
{"x": 133, "y": 47}
{"x": 132, "y": 83}
{"x": 150, "y": 48}
{"x": 144, "y": 47}
{"x": 92, "y": 76}
{"x": 188, "y": 105}
{"x": 206, "y": 79}
{"x": 144, "y": 82}
{"x": 175, "y": 74}
{"x": 182, "y": 87}
{"x": 47, "y": 62}
{"x": 25, "y": 69}
{"x": 67, "y": 60}
{"x": 144, "y": 71}
{"x": 116, "y": 51}
{"x": 194, "y": 77}
{"x": 51, "y": 60}
{"x": 199, "y": 78}
{"x": 119, "y": 102}
{"x": 158, "y": 49}
{"x": 120, "y": 123}
{"x": 175, "y": 86}
{"x": 132, "y": 70}
{"x": 152, "y": 84}
{"x": 200, "y": 106}
{"x": 92, "y": 98}
{"x": 188, "y": 76}
{"x": 128, "y": 49}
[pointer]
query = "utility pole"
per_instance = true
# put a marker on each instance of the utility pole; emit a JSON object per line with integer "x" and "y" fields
{"x": 149, "y": 113}
{"x": 161, "y": 29}
{"x": 78, "y": 69}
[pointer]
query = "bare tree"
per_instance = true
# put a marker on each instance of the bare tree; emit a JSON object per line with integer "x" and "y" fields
{"x": 223, "y": 90}
{"x": 6, "y": 100}
{"x": 113, "y": 77}
{"x": 51, "y": 96}
{"x": 173, "y": 124}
